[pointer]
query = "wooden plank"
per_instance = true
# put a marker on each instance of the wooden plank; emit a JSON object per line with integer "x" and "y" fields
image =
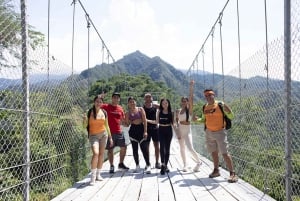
{"x": 123, "y": 187}
{"x": 196, "y": 187}
{"x": 149, "y": 188}
{"x": 165, "y": 191}
{"x": 176, "y": 185}
{"x": 71, "y": 190}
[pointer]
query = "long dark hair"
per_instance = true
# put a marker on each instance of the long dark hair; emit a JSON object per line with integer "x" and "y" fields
{"x": 94, "y": 108}
{"x": 187, "y": 111}
{"x": 169, "y": 107}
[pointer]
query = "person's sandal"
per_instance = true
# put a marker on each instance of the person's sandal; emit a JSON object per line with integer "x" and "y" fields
{"x": 215, "y": 173}
{"x": 233, "y": 177}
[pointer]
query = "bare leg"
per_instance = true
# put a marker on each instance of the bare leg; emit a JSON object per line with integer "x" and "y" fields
{"x": 228, "y": 161}
{"x": 100, "y": 157}
{"x": 95, "y": 149}
{"x": 110, "y": 154}
{"x": 215, "y": 158}
{"x": 122, "y": 153}
{"x": 156, "y": 148}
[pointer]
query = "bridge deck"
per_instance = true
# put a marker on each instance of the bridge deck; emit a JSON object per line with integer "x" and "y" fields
{"x": 176, "y": 185}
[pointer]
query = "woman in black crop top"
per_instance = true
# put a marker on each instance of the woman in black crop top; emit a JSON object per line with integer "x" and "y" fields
{"x": 165, "y": 119}
{"x": 136, "y": 118}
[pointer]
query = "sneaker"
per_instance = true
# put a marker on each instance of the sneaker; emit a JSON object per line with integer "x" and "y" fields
{"x": 184, "y": 169}
{"x": 99, "y": 177}
{"x": 197, "y": 167}
{"x": 112, "y": 169}
{"x": 148, "y": 169}
{"x": 162, "y": 170}
{"x": 137, "y": 169}
{"x": 167, "y": 169}
{"x": 215, "y": 173}
{"x": 232, "y": 178}
{"x": 93, "y": 179}
{"x": 157, "y": 165}
{"x": 123, "y": 167}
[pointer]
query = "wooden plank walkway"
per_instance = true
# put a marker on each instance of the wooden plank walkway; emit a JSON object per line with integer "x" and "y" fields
{"x": 176, "y": 185}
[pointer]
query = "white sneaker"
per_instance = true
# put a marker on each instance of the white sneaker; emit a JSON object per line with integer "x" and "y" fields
{"x": 184, "y": 169}
{"x": 197, "y": 167}
{"x": 137, "y": 169}
{"x": 93, "y": 180}
{"x": 148, "y": 169}
{"x": 99, "y": 177}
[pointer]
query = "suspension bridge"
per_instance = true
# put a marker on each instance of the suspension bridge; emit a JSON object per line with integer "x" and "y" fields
{"x": 44, "y": 150}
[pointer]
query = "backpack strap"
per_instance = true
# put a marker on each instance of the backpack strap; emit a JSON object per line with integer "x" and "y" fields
{"x": 220, "y": 104}
{"x": 203, "y": 107}
{"x": 88, "y": 117}
{"x": 105, "y": 113}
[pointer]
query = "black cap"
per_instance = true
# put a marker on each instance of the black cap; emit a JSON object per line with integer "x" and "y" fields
{"x": 116, "y": 94}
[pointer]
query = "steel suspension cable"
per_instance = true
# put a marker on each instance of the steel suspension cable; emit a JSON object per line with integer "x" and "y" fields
{"x": 88, "y": 40}
{"x": 209, "y": 33}
{"x": 267, "y": 46}
{"x": 222, "y": 59}
{"x": 203, "y": 67}
{"x": 213, "y": 55}
{"x": 88, "y": 52}
{"x": 48, "y": 42}
{"x": 73, "y": 30}
{"x": 103, "y": 43}
{"x": 239, "y": 47}
{"x": 48, "y": 80}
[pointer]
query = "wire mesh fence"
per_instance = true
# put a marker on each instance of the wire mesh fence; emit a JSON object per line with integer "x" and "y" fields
{"x": 59, "y": 151}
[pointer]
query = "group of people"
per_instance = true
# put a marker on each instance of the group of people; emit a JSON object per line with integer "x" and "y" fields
{"x": 155, "y": 122}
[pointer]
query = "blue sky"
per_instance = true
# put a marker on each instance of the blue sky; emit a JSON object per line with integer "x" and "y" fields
{"x": 171, "y": 29}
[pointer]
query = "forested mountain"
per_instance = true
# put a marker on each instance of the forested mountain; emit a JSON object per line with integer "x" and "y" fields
{"x": 137, "y": 63}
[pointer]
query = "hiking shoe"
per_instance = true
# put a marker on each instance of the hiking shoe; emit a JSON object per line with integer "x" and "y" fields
{"x": 99, "y": 177}
{"x": 232, "y": 178}
{"x": 148, "y": 169}
{"x": 112, "y": 169}
{"x": 93, "y": 179}
{"x": 215, "y": 173}
{"x": 123, "y": 167}
{"x": 197, "y": 167}
{"x": 157, "y": 165}
{"x": 137, "y": 169}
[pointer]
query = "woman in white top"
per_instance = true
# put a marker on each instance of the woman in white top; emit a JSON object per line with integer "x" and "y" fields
{"x": 184, "y": 134}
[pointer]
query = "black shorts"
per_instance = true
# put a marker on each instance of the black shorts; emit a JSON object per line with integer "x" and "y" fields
{"x": 153, "y": 133}
{"x": 118, "y": 140}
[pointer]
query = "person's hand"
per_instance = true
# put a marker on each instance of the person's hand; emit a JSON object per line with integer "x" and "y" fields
{"x": 103, "y": 94}
{"x": 145, "y": 134}
{"x": 195, "y": 118}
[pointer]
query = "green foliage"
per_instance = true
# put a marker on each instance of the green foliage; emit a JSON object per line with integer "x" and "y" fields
{"x": 135, "y": 86}
{"x": 10, "y": 35}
